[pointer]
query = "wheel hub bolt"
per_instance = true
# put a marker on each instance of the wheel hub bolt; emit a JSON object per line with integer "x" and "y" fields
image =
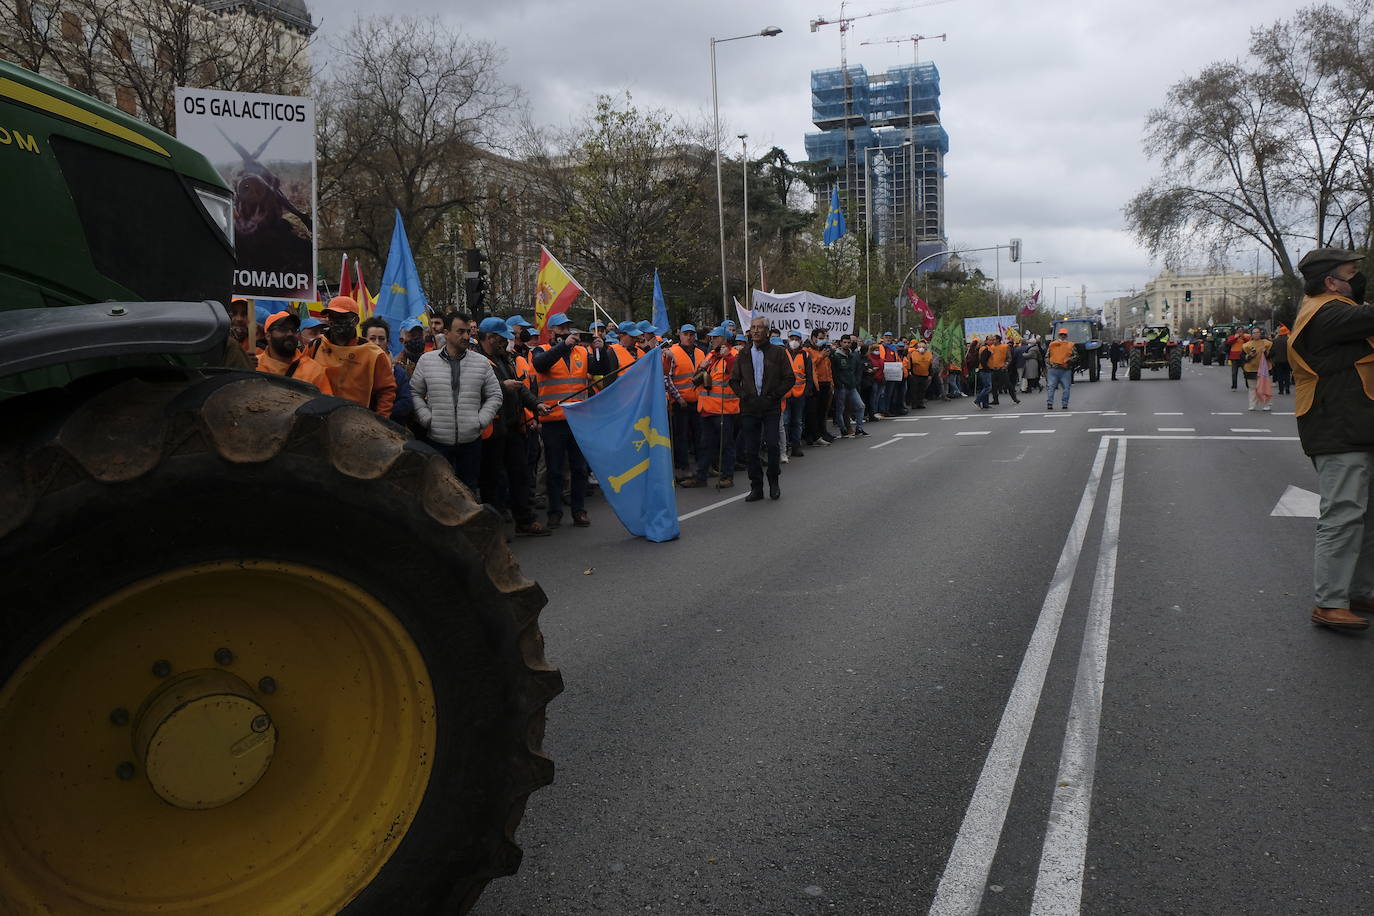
{"x": 119, "y": 716}
{"x": 224, "y": 657}
{"x": 125, "y": 771}
{"x": 267, "y": 685}
{"x": 261, "y": 723}
{"x": 162, "y": 668}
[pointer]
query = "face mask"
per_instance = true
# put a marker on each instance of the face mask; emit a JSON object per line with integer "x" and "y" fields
{"x": 920, "y": 349}
{"x": 341, "y": 331}
{"x": 524, "y": 335}
{"x": 561, "y": 338}
{"x": 794, "y": 343}
{"x": 1357, "y": 287}
{"x": 415, "y": 347}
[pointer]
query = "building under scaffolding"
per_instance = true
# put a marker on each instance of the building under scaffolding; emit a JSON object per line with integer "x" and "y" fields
{"x": 882, "y": 137}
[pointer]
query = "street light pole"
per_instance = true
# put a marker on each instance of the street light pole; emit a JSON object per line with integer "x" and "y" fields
{"x": 720, "y": 191}
{"x": 744, "y": 142}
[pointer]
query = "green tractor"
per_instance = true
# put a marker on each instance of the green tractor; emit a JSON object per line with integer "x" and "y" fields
{"x": 1214, "y": 348}
{"x": 1086, "y": 336}
{"x": 261, "y": 651}
{"x": 1154, "y": 349}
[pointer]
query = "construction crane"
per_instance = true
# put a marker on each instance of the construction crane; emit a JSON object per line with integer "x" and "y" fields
{"x": 902, "y": 39}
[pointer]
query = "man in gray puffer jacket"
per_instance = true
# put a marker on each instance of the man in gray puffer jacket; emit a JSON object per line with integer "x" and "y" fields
{"x": 456, "y": 396}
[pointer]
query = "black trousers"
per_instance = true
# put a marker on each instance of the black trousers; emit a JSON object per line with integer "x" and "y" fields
{"x": 916, "y": 386}
{"x": 686, "y": 425}
{"x": 817, "y": 411}
{"x": 1001, "y": 381}
{"x": 759, "y": 432}
{"x": 560, "y": 451}
{"x": 506, "y": 475}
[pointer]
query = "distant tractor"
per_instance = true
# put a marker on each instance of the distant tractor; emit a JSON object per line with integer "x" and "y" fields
{"x": 1214, "y": 348}
{"x": 1153, "y": 349}
{"x": 1086, "y": 336}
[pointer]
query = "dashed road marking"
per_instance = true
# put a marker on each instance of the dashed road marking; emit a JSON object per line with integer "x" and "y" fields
{"x": 1177, "y": 429}
{"x": 1035, "y": 432}
{"x": 888, "y": 442}
{"x": 1168, "y": 413}
{"x": 1235, "y": 429}
{"x": 973, "y": 432}
{"x": 1107, "y": 429}
{"x": 1226, "y": 413}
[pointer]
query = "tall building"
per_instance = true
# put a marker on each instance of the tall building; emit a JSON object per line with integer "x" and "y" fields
{"x": 882, "y": 137}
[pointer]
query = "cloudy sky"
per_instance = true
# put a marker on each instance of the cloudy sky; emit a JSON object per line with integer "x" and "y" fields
{"x": 1044, "y": 102}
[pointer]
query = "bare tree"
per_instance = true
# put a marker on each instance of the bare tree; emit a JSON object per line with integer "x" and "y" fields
{"x": 401, "y": 114}
{"x": 1273, "y": 150}
{"x": 135, "y": 53}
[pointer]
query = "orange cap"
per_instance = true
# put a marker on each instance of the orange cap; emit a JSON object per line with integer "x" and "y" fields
{"x": 277, "y": 316}
{"x": 342, "y": 304}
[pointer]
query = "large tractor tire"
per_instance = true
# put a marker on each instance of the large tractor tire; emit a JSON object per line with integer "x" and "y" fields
{"x": 1176, "y": 364}
{"x": 260, "y": 652}
{"x": 1094, "y": 366}
{"x": 1133, "y": 364}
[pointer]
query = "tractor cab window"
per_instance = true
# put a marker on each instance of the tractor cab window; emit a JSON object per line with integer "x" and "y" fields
{"x": 1078, "y": 330}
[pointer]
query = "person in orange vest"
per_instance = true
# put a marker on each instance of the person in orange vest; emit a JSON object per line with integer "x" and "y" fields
{"x": 998, "y": 361}
{"x": 1059, "y": 359}
{"x": 803, "y": 388}
{"x": 918, "y": 374}
{"x": 505, "y": 466}
{"x": 283, "y": 356}
{"x": 564, "y": 372}
{"x": 718, "y": 406}
{"x": 1234, "y": 343}
{"x": 816, "y": 431}
{"x": 684, "y": 358}
{"x": 625, "y": 348}
{"x": 357, "y": 370}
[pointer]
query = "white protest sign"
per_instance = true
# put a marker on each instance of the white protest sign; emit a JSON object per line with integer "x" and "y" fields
{"x": 988, "y": 324}
{"x": 805, "y": 311}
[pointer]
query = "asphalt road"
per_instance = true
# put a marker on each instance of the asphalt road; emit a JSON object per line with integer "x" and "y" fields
{"x": 1000, "y": 662}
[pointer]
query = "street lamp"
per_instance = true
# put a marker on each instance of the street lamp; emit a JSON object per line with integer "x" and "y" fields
{"x": 720, "y": 193}
{"x": 744, "y": 144}
{"x": 1056, "y": 294}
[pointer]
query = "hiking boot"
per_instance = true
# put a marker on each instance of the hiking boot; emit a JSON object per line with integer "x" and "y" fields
{"x": 725, "y": 483}
{"x": 532, "y": 530}
{"x": 555, "y": 520}
{"x": 690, "y": 482}
{"x": 580, "y": 519}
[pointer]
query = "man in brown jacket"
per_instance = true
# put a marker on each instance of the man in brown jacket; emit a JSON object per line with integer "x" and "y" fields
{"x": 762, "y": 377}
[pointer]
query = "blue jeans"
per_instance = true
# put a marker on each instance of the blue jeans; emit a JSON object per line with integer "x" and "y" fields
{"x": 561, "y": 448}
{"x": 847, "y": 400}
{"x": 1059, "y": 378}
{"x": 954, "y": 385}
{"x": 984, "y": 388}
{"x": 796, "y": 414}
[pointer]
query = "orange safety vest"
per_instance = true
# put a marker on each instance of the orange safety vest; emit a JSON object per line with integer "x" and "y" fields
{"x": 798, "y": 374}
{"x": 623, "y": 355}
{"x": 567, "y": 377}
{"x": 998, "y": 357}
{"x": 720, "y": 397}
{"x": 684, "y": 365}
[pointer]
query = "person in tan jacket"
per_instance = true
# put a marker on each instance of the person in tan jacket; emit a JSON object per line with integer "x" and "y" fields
{"x": 1251, "y": 351}
{"x": 357, "y": 370}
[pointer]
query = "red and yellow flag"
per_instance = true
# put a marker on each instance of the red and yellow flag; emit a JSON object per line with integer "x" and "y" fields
{"x": 555, "y": 290}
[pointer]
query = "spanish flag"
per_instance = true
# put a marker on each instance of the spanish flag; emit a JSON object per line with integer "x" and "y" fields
{"x": 555, "y": 290}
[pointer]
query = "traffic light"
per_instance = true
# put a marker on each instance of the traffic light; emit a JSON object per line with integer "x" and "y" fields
{"x": 475, "y": 285}
{"x": 1187, "y": 295}
{"x": 1015, "y": 250}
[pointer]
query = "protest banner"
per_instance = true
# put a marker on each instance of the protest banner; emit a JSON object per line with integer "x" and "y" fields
{"x": 988, "y": 324}
{"x": 263, "y": 146}
{"x": 805, "y": 311}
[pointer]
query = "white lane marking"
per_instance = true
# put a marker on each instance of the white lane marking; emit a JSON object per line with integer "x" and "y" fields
{"x": 908, "y": 435}
{"x": 1242, "y": 429}
{"x": 1107, "y": 429}
{"x": 973, "y": 432}
{"x": 704, "y": 509}
{"x": 966, "y": 871}
{"x": 1037, "y": 432}
{"x": 1215, "y": 438}
{"x": 1113, "y": 413}
{"x": 1059, "y": 885}
{"x": 1226, "y": 413}
{"x": 1298, "y": 503}
{"x": 972, "y": 416}
{"x": 1168, "y": 413}
{"x": 1283, "y": 413}
{"x": 1176, "y": 429}
{"x": 888, "y": 442}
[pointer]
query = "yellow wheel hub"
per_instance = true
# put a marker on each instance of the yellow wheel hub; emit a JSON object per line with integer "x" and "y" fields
{"x": 232, "y": 738}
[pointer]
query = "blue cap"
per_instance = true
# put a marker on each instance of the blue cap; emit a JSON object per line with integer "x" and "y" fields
{"x": 646, "y": 326}
{"x": 728, "y": 323}
{"x": 262, "y": 312}
{"x": 495, "y": 326}
{"x": 557, "y": 321}
{"x": 688, "y": 327}
{"x": 311, "y": 323}
{"x": 515, "y": 321}
{"x": 887, "y": 333}
{"x": 717, "y": 331}
{"x": 596, "y": 324}
{"x": 796, "y": 334}
{"x": 411, "y": 324}
{"x": 628, "y": 327}
{"x": 612, "y": 337}
{"x": 776, "y": 341}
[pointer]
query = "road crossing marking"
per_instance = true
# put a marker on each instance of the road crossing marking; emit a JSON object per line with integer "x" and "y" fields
{"x": 1298, "y": 503}
{"x": 888, "y": 442}
{"x": 1177, "y": 429}
{"x": 973, "y": 432}
{"x": 908, "y": 435}
{"x": 1107, "y": 429}
{"x": 1244, "y": 430}
{"x": 1034, "y": 432}
{"x": 966, "y": 871}
{"x": 1059, "y": 884}
{"x": 704, "y": 509}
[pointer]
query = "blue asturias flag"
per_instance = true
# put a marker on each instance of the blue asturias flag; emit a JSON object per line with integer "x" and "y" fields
{"x": 623, "y": 433}
{"x": 834, "y": 220}
{"x": 660, "y": 308}
{"x": 400, "y": 296}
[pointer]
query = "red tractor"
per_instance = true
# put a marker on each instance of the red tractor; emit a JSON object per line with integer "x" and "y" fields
{"x": 1153, "y": 349}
